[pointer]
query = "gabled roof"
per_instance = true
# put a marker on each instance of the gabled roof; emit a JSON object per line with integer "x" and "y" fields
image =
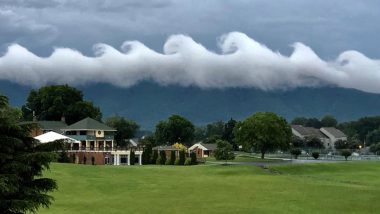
{"x": 209, "y": 146}
{"x": 89, "y": 124}
{"x": 204, "y": 146}
{"x": 47, "y": 125}
{"x": 334, "y": 132}
{"x": 308, "y": 131}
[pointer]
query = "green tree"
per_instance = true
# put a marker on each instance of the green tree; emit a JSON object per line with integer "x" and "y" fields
{"x": 193, "y": 158}
{"x": 125, "y": 129}
{"x": 182, "y": 157}
{"x": 154, "y": 157}
{"x": 147, "y": 142}
{"x": 314, "y": 143}
{"x": 216, "y": 128}
{"x": 212, "y": 139}
{"x": 22, "y": 161}
{"x": 224, "y": 151}
{"x": 162, "y": 157}
{"x": 175, "y": 129}
{"x": 298, "y": 142}
{"x": 313, "y": 122}
{"x": 228, "y": 133}
{"x": 264, "y": 131}
{"x": 329, "y": 121}
{"x": 375, "y": 148}
{"x": 53, "y": 102}
{"x": 346, "y": 153}
{"x": 299, "y": 121}
{"x": 295, "y": 152}
{"x": 172, "y": 158}
{"x": 373, "y": 137}
{"x": 341, "y": 144}
{"x": 315, "y": 155}
{"x": 132, "y": 158}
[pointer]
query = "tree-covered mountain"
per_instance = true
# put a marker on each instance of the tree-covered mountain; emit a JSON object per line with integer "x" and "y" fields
{"x": 147, "y": 103}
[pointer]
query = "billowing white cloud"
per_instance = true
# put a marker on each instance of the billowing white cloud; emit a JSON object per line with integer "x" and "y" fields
{"x": 242, "y": 62}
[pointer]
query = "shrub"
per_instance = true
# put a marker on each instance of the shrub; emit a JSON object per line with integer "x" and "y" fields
{"x": 295, "y": 152}
{"x": 154, "y": 157}
{"x": 187, "y": 162}
{"x": 172, "y": 157}
{"x": 193, "y": 157}
{"x": 315, "y": 155}
{"x": 168, "y": 162}
{"x": 147, "y": 154}
{"x": 177, "y": 162}
{"x": 224, "y": 151}
{"x": 132, "y": 158}
{"x": 346, "y": 153}
{"x": 162, "y": 157}
{"x": 63, "y": 157}
{"x": 182, "y": 157}
{"x": 158, "y": 161}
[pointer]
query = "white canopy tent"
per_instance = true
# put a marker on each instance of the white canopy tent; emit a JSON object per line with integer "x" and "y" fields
{"x": 53, "y": 136}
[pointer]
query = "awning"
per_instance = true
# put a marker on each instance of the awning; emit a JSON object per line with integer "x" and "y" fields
{"x": 53, "y": 136}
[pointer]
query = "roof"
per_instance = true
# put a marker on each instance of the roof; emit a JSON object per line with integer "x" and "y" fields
{"x": 165, "y": 148}
{"x": 47, "y": 125}
{"x": 209, "y": 146}
{"x": 134, "y": 141}
{"x": 89, "y": 124}
{"x": 53, "y": 136}
{"x": 334, "y": 132}
{"x": 308, "y": 131}
{"x": 204, "y": 146}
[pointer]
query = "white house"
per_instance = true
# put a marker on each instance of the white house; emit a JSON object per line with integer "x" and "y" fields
{"x": 334, "y": 135}
{"x": 203, "y": 150}
{"x": 327, "y": 135}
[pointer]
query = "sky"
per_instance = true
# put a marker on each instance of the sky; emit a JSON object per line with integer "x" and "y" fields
{"x": 210, "y": 43}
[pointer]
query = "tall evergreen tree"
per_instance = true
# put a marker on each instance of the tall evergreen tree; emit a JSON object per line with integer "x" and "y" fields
{"x": 22, "y": 161}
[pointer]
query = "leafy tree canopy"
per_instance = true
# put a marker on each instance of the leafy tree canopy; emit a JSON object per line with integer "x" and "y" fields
{"x": 176, "y": 129}
{"x": 126, "y": 129}
{"x": 264, "y": 131}
{"x": 224, "y": 151}
{"x": 329, "y": 121}
{"x": 53, "y": 102}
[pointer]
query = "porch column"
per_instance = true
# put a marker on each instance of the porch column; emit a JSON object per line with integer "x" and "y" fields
{"x": 140, "y": 161}
{"x": 115, "y": 159}
{"x": 112, "y": 145}
{"x": 129, "y": 159}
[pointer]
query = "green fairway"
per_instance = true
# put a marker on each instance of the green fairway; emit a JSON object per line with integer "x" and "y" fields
{"x": 345, "y": 187}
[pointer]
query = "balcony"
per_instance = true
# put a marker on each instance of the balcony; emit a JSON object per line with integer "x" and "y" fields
{"x": 90, "y": 137}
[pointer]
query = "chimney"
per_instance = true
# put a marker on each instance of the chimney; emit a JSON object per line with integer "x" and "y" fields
{"x": 63, "y": 119}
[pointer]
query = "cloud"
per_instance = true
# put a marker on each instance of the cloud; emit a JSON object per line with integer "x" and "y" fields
{"x": 241, "y": 62}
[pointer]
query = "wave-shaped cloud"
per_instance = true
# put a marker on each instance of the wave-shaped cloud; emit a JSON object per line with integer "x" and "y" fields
{"x": 243, "y": 62}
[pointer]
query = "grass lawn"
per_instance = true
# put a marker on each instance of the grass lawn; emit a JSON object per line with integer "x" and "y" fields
{"x": 346, "y": 187}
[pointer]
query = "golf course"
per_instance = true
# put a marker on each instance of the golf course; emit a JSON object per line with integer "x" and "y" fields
{"x": 342, "y": 187}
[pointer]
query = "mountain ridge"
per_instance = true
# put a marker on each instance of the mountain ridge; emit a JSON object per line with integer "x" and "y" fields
{"x": 147, "y": 103}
